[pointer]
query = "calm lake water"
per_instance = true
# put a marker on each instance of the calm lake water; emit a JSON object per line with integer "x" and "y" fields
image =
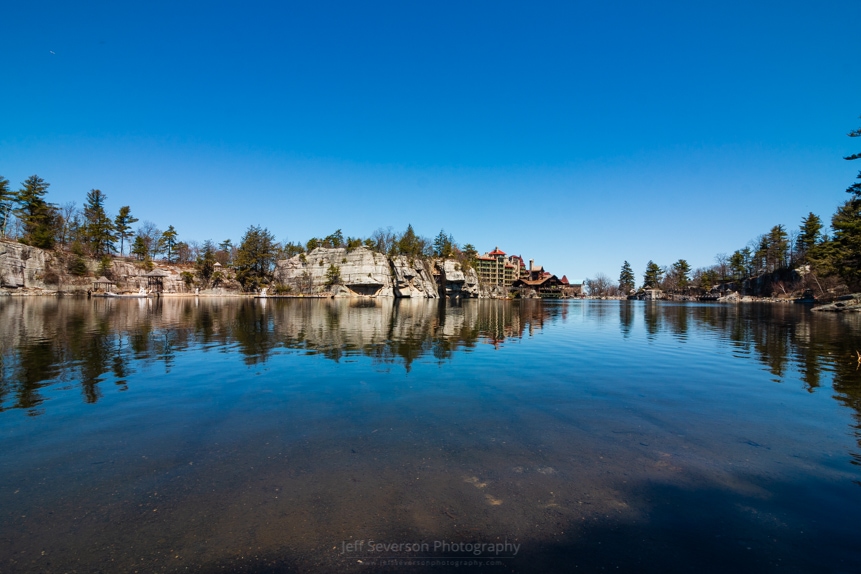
{"x": 362, "y": 436}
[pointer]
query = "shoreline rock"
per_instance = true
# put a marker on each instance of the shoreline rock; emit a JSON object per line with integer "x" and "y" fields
{"x": 845, "y": 304}
{"x": 362, "y": 272}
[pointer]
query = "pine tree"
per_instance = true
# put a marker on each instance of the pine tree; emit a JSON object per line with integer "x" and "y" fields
{"x": 810, "y": 234}
{"x": 855, "y": 188}
{"x": 224, "y": 255}
{"x": 777, "y": 253}
{"x": 443, "y": 245}
{"x": 99, "y": 230}
{"x": 737, "y": 265}
{"x": 139, "y": 248}
{"x": 841, "y": 255}
{"x": 37, "y": 215}
{"x": 205, "y": 263}
{"x": 626, "y": 278}
{"x": 123, "y": 225}
{"x": 409, "y": 243}
{"x": 333, "y": 275}
{"x": 652, "y": 276}
{"x": 7, "y": 197}
{"x": 747, "y": 256}
{"x": 846, "y": 245}
{"x": 681, "y": 268}
{"x": 168, "y": 242}
{"x": 336, "y": 239}
{"x": 255, "y": 257}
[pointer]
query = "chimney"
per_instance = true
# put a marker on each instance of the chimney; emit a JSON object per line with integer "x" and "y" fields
{"x": 531, "y": 262}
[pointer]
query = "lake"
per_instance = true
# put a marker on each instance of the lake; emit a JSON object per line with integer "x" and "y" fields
{"x": 240, "y": 435}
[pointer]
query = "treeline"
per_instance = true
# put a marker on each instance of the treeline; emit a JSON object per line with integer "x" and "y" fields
{"x": 27, "y": 216}
{"x": 778, "y": 261}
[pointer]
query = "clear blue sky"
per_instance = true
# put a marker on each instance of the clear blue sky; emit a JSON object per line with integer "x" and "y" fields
{"x": 580, "y": 134}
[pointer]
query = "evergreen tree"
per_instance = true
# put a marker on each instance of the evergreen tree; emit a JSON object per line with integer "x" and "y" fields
{"x": 409, "y": 243}
{"x": 168, "y": 242}
{"x": 443, "y": 245}
{"x": 809, "y": 235}
{"x": 708, "y": 279}
{"x": 626, "y": 278}
{"x": 336, "y": 239}
{"x": 7, "y": 197}
{"x": 681, "y": 268}
{"x": 255, "y": 257}
{"x": 846, "y": 248}
{"x": 855, "y": 188}
{"x": 123, "y": 225}
{"x": 737, "y": 265}
{"x": 99, "y": 230}
{"x": 841, "y": 255}
{"x": 205, "y": 263}
{"x": 37, "y": 215}
{"x": 652, "y": 276}
{"x": 139, "y": 248}
{"x": 777, "y": 253}
{"x": 333, "y": 275}
{"x": 224, "y": 254}
{"x": 760, "y": 256}
{"x": 747, "y": 255}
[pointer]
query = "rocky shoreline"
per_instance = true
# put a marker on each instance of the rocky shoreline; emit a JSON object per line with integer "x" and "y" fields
{"x": 361, "y": 272}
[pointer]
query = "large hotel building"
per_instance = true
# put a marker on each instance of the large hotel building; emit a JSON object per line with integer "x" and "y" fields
{"x": 495, "y": 268}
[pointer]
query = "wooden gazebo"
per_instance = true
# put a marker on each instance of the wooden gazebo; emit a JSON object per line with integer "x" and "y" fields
{"x": 102, "y": 284}
{"x": 155, "y": 280}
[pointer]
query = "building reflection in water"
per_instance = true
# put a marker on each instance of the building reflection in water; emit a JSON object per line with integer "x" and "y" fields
{"x": 84, "y": 344}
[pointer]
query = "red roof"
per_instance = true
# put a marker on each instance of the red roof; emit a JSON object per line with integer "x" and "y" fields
{"x": 497, "y": 251}
{"x": 564, "y": 280}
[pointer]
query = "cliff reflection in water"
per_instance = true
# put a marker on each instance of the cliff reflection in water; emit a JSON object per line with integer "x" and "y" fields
{"x": 85, "y": 344}
{"x": 70, "y": 342}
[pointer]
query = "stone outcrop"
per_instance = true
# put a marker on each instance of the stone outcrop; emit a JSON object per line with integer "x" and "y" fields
{"x": 363, "y": 272}
{"x": 844, "y": 304}
{"x": 454, "y": 282}
{"x": 129, "y": 276}
{"x": 413, "y": 278}
{"x": 27, "y": 268}
{"x": 322, "y": 272}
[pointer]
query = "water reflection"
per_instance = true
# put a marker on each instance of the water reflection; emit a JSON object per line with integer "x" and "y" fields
{"x": 55, "y": 341}
{"x": 49, "y": 341}
{"x": 287, "y": 426}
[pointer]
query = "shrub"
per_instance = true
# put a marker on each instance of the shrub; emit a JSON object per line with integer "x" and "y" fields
{"x": 105, "y": 267}
{"x": 333, "y": 275}
{"x": 77, "y": 266}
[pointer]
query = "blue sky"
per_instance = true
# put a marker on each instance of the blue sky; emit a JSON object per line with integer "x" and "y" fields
{"x": 579, "y": 134}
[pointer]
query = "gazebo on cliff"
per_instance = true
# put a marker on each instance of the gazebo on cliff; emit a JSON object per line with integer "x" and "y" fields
{"x": 155, "y": 280}
{"x": 102, "y": 284}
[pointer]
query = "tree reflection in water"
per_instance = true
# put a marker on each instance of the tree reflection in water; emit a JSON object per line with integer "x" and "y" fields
{"x": 83, "y": 344}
